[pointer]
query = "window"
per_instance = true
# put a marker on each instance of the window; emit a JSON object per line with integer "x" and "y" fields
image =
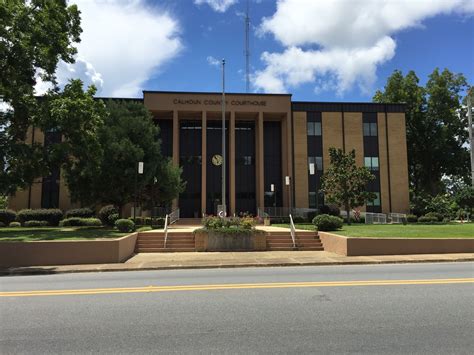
{"x": 376, "y": 201}
{"x": 372, "y": 163}
{"x": 312, "y": 199}
{"x": 317, "y": 161}
{"x": 314, "y": 128}
{"x": 370, "y": 129}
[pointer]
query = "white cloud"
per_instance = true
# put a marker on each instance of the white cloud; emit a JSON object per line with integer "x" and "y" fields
{"x": 217, "y": 5}
{"x": 340, "y": 39}
{"x": 122, "y": 45}
{"x": 213, "y": 61}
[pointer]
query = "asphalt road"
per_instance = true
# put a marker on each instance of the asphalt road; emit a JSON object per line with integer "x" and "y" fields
{"x": 392, "y": 309}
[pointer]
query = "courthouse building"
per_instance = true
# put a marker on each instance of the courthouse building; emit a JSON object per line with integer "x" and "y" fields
{"x": 269, "y": 137}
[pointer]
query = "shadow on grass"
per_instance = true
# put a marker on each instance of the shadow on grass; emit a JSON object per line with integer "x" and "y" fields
{"x": 56, "y": 233}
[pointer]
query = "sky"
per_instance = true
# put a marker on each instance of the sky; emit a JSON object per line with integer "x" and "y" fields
{"x": 317, "y": 50}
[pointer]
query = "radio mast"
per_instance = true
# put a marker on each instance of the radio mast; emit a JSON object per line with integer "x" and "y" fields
{"x": 247, "y": 49}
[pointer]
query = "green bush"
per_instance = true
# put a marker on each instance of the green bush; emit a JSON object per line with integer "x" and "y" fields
{"x": 107, "y": 215}
{"x": 2, "y": 224}
{"x": 85, "y": 212}
{"x": 124, "y": 225}
{"x": 411, "y": 218}
{"x": 298, "y": 219}
{"x": 438, "y": 216}
{"x": 80, "y": 222}
{"x": 33, "y": 223}
{"x": 7, "y": 216}
{"x": 331, "y": 210}
{"x": 14, "y": 224}
{"x": 212, "y": 222}
{"x": 360, "y": 220}
{"x": 310, "y": 216}
{"x": 159, "y": 222}
{"x": 278, "y": 220}
{"x": 52, "y": 215}
{"x": 427, "y": 219}
{"x": 326, "y": 222}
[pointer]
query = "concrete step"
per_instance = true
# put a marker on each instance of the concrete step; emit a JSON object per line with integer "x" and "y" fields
{"x": 163, "y": 250}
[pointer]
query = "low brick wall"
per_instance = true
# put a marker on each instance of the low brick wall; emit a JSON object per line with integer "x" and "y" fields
{"x": 204, "y": 241}
{"x": 393, "y": 246}
{"x": 71, "y": 252}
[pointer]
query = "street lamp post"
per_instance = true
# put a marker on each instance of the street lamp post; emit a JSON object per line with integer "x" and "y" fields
{"x": 469, "y": 117}
{"x": 288, "y": 183}
{"x": 139, "y": 171}
{"x": 311, "y": 173}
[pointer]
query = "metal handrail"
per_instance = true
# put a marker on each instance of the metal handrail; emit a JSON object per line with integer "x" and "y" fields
{"x": 293, "y": 231}
{"x": 166, "y": 230}
{"x": 174, "y": 216}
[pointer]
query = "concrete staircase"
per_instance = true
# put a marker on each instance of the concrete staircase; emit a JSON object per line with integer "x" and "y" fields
{"x": 153, "y": 242}
{"x": 305, "y": 240}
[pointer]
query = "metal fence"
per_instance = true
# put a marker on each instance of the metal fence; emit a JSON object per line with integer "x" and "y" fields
{"x": 281, "y": 212}
{"x": 375, "y": 218}
{"x": 397, "y": 218}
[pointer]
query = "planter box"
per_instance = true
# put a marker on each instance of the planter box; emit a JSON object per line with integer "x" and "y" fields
{"x": 215, "y": 241}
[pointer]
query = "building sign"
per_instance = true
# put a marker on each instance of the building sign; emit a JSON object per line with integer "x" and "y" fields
{"x": 210, "y": 102}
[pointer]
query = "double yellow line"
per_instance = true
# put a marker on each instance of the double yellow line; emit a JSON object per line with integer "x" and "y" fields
{"x": 150, "y": 289}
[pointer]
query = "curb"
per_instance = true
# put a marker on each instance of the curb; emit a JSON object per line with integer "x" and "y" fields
{"x": 35, "y": 271}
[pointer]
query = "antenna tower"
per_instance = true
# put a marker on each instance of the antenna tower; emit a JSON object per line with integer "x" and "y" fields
{"x": 247, "y": 49}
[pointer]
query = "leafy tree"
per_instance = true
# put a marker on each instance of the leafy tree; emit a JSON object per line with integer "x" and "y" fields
{"x": 344, "y": 183}
{"x": 465, "y": 198}
{"x": 127, "y": 137}
{"x": 436, "y": 127}
{"x": 79, "y": 118}
{"x": 34, "y": 36}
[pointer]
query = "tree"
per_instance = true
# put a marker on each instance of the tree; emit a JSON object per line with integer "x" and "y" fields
{"x": 465, "y": 198}
{"x": 34, "y": 36}
{"x": 436, "y": 127}
{"x": 344, "y": 183}
{"x": 127, "y": 137}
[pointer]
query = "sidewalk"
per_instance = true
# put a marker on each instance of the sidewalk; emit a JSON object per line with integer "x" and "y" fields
{"x": 167, "y": 261}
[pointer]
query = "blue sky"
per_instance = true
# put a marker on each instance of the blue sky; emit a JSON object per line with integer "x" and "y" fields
{"x": 338, "y": 50}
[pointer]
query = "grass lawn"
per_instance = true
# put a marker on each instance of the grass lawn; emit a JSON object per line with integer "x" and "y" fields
{"x": 452, "y": 230}
{"x": 21, "y": 234}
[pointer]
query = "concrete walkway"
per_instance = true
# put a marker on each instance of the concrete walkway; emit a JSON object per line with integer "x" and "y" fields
{"x": 163, "y": 261}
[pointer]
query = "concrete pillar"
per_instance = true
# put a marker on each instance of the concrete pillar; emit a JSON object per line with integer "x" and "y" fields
{"x": 260, "y": 162}
{"x": 232, "y": 162}
{"x": 203, "y": 162}
{"x": 175, "y": 148}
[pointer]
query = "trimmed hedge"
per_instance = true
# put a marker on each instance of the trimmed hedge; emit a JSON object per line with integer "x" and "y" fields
{"x": 326, "y": 222}
{"x": 34, "y": 223}
{"x": 310, "y": 216}
{"x": 85, "y": 212}
{"x": 438, "y": 216}
{"x": 52, "y": 216}
{"x": 125, "y": 225}
{"x": 15, "y": 224}
{"x": 108, "y": 215}
{"x": 427, "y": 219}
{"x": 7, "y": 216}
{"x": 330, "y": 210}
{"x": 80, "y": 222}
{"x": 411, "y": 218}
{"x": 298, "y": 219}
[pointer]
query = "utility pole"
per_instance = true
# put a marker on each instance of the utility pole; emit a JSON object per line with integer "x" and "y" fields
{"x": 469, "y": 117}
{"x": 247, "y": 49}
{"x": 223, "y": 140}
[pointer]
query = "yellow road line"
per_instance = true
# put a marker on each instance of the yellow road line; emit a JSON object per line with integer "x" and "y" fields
{"x": 149, "y": 289}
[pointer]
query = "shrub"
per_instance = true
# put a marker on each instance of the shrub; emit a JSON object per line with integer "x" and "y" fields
{"x": 310, "y": 216}
{"x": 2, "y": 224}
{"x": 80, "y": 222}
{"x": 159, "y": 222}
{"x": 33, "y": 223}
{"x": 80, "y": 212}
{"x": 7, "y": 216}
{"x": 330, "y": 210}
{"x": 298, "y": 219}
{"x": 438, "y": 216}
{"x": 427, "y": 219}
{"x": 360, "y": 220}
{"x": 212, "y": 222}
{"x": 15, "y": 224}
{"x": 52, "y": 215}
{"x": 326, "y": 222}
{"x": 411, "y": 218}
{"x": 107, "y": 215}
{"x": 124, "y": 225}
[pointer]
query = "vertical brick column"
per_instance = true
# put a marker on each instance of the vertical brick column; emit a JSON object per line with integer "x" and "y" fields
{"x": 203, "y": 161}
{"x": 232, "y": 162}
{"x": 175, "y": 147}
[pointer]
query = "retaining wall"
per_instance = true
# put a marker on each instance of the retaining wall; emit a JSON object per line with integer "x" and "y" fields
{"x": 69, "y": 252}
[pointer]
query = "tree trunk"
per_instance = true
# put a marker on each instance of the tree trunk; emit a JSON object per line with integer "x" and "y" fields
{"x": 348, "y": 214}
